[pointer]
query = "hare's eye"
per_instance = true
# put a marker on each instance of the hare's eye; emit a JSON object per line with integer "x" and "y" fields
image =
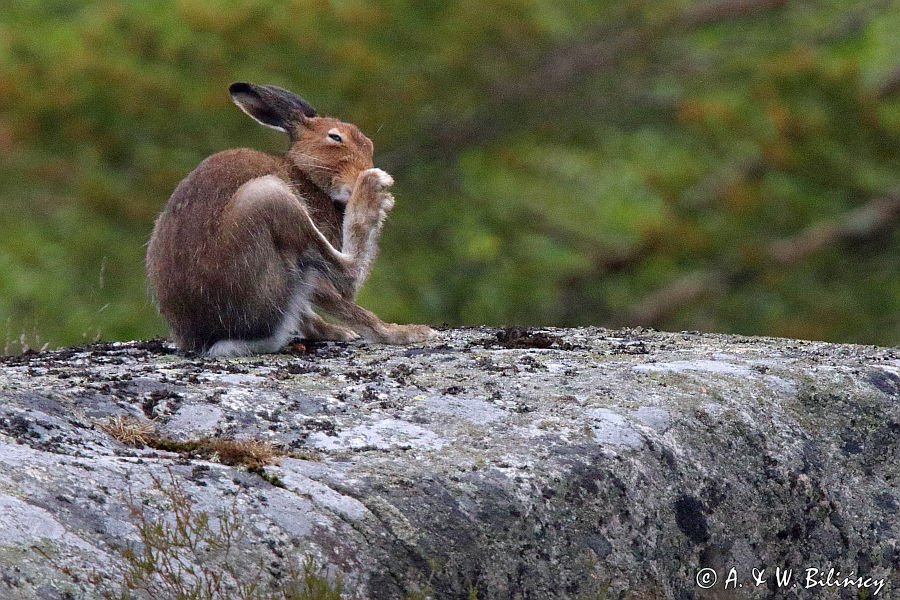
{"x": 335, "y": 137}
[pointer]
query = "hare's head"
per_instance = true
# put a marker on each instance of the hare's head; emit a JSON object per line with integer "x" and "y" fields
{"x": 330, "y": 152}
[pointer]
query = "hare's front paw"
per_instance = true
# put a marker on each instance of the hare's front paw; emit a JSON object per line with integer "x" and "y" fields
{"x": 379, "y": 180}
{"x": 387, "y": 201}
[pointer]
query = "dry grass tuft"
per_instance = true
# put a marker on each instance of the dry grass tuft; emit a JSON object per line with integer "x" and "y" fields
{"x": 129, "y": 430}
{"x": 252, "y": 454}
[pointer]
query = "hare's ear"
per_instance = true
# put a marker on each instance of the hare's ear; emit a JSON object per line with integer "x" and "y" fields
{"x": 271, "y": 106}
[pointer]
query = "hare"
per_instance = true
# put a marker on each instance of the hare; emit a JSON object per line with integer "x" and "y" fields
{"x": 249, "y": 242}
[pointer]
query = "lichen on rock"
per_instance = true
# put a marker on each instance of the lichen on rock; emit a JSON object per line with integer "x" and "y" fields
{"x": 551, "y": 463}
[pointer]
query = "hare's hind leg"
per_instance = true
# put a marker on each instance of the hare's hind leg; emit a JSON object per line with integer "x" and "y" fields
{"x": 269, "y": 202}
{"x": 293, "y": 318}
{"x": 267, "y": 229}
{"x": 314, "y": 327}
{"x": 364, "y": 322}
{"x": 318, "y": 329}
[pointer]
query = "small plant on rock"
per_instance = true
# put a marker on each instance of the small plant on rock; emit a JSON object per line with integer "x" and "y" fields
{"x": 184, "y": 554}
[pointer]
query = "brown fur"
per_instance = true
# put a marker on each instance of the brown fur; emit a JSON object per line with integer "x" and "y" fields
{"x": 246, "y": 233}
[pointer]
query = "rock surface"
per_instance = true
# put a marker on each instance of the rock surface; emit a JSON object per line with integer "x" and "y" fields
{"x": 578, "y": 463}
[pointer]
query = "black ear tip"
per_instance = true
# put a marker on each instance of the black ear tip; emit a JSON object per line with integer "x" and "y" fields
{"x": 271, "y": 105}
{"x": 240, "y": 87}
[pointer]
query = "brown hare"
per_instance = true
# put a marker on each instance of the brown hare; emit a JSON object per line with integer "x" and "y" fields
{"x": 249, "y": 242}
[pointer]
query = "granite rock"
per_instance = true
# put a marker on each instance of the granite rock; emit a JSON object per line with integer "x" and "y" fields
{"x": 550, "y": 463}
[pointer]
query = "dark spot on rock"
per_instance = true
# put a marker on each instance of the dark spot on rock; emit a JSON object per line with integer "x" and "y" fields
{"x": 687, "y": 594}
{"x": 16, "y": 426}
{"x": 522, "y": 337}
{"x": 586, "y": 485}
{"x": 812, "y": 457}
{"x": 454, "y": 389}
{"x": 321, "y": 349}
{"x": 401, "y": 372}
{"x": 486, "y": 364}
{"x": 630, "y": 347}
{"x": 517, "y": 337}
{"x": 792, "y": 532}
{"x": 148, "y": 406}
{"x": 886, "y": 382}
{"x": 887, "y": 502}
{"x": 97, "y": 498}
{"x": 154, "y": 346}
{"x": 835, "y": 517}
{"x": 690, "y": 518}
{"x": 882, "y": 443}
{"x": 299, "y": 369}
{"x": 599, "y": 544}
{"x": 851, "y": 446}
{"x": 531, "y": 364}
{"x": 715, "y": 493}
{"x": 325, "y": 426}
{"x": 668, "y": 457}
{"x": 441, "y": 349}
{"x": 864, "y": 562}
{"x": 362, "y": 375}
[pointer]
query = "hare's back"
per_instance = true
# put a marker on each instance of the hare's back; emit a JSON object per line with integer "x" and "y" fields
{"x": 217, "y": 178}
{"x": 210, "y": 283}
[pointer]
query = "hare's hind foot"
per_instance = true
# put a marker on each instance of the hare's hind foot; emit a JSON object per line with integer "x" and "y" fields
{"x": 364, "y": 322}
{"x": 404, "y": 334}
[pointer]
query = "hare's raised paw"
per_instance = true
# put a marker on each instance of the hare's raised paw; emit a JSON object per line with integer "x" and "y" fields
{"x": 387, "y": 201}
{"x": 381, "y": 180}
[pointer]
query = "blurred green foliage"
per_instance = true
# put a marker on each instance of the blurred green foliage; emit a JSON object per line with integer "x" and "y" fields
{"x": 729, "y": 165}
